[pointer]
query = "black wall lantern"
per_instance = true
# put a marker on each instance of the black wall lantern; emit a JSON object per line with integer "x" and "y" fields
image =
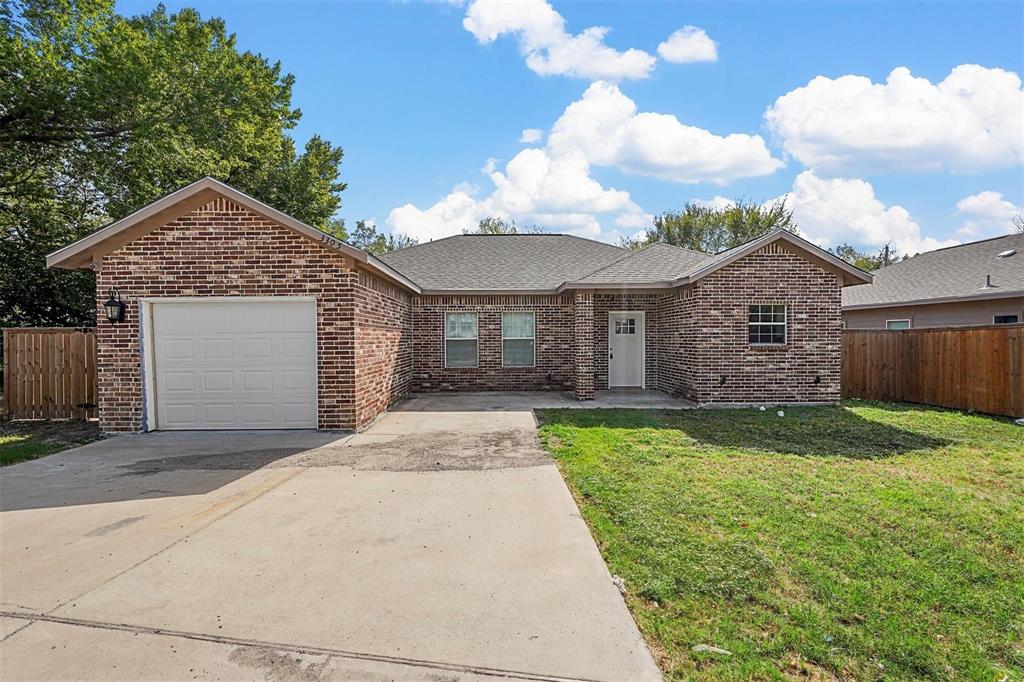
{"x": 114, "y": 306}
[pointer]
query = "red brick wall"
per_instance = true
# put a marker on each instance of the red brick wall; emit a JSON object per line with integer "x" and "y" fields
{"x": 553, "y": 344}
{"x": 583, "y": 345}
{"x": 646, "y": 302}
{"x": 222, "y": 249}
{"x": 383, "y": 343}
{"x": 720, "y": 347}
{"x": 677, "y": 343}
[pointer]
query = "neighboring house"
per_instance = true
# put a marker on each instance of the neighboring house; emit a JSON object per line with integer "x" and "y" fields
{"x": 972, "y": 284}
{"x": 238, "y": 316}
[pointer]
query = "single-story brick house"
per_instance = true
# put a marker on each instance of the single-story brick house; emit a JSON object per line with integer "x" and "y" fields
{"x": 236, "y": 315}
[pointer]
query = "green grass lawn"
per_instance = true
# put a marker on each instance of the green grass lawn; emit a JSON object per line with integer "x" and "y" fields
{"x": 24, "y": 440}
{"x": 867, "y": 541}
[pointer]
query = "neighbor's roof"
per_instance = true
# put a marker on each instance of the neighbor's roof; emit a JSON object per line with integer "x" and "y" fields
{"x": 953, "y": 273}
{"x": 501, "y": 262}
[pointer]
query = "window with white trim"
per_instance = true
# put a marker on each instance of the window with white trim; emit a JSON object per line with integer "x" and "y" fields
{"x": 460, "y": 340}
{"x": 518, "y": 332}
{"x": 1005, "y": 319}
{"x": 897, "y": 324}
{"x": 767, "y": 325}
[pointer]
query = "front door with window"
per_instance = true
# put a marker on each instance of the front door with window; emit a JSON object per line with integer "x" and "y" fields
{"x": 626, "y": 350}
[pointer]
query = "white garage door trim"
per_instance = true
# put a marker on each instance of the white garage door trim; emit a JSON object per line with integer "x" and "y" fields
{"x": 149, "y": 354}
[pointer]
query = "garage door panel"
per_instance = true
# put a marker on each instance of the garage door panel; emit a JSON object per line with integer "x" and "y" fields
{"x": 242, "y": 376}
{"x": 298, "y": 411}
{"x": 173, "y": 318}
{"x": 218, "y": 381}
{"x": 216, "y": 348}
{"x": 296, "y": 348}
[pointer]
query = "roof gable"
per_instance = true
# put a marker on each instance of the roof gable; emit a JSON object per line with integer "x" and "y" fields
{"x": 84, "y": 252}
{"x": 848, "y": 274}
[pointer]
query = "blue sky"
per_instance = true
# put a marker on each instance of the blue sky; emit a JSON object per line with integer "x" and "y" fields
{"x": 422, "y": 95}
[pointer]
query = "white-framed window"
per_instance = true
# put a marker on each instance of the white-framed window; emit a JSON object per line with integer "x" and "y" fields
{"x": 1005, "y": 319}
{"x": 518, "y": 336}
{"x": 626, "y": 326}
{"x": 767, "y": 324}
{"x": 460, "y": 340}
{"x": 897, "y": 324}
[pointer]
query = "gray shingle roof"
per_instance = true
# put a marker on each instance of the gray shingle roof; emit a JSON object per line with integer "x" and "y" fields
{"x": 489, "y": 262}
{"x": 655, "y": 263}
{"x": 954, "y": 272}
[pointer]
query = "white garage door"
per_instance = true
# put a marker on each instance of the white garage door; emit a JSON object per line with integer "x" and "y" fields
{"x": 235, "y": 364}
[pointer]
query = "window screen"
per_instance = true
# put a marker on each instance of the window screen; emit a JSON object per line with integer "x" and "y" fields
{"x": 460, "y": 339}
{"x": 897, "y": 324}
{"x": 767, "y": 324}
{"x": 517, "y": 339}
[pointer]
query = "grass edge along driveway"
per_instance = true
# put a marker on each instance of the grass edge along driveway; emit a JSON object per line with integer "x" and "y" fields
{"x": 21, "y": 441}
{"x": 861, "y": 541}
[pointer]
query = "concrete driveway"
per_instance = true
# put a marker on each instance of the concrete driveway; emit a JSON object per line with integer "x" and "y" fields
{"x": 441, "y": 544}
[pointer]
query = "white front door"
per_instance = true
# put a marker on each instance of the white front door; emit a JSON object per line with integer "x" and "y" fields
{"x": 626, "y": 350}
{"x": 234, "y": 363}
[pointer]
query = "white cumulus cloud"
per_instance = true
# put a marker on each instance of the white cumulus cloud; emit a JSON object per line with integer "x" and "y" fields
{"x": 555, "y": 192}
{"x": 987, "y": 214}
{"x": 454, "y": 213}
{"x": 552, "y": 185}
{"x": 837, "y": 210}
{"x": 972, "y": 120}
{"x": 531, "y": 135}
{"x": 546, "y": 45}
{"x": 606, "y": 126}
{"x": 689, "y": 44}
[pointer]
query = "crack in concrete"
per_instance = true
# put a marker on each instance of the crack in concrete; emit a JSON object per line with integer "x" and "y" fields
{"x": 308, "y": 650}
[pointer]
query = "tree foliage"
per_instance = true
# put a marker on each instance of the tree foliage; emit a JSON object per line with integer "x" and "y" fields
{"x": 867, "y": 261}
{"x": 712, "y": 229}
{"x": 101, "y": 114}
{"x": 367, "y": 238}
{"x": 494, "y": 225}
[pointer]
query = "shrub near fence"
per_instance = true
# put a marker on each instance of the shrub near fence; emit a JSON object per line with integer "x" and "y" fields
{"x": 49, "y": 373}
{"x": 967, "y": 368}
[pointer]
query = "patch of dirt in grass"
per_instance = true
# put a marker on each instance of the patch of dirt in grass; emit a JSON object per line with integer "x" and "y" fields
{"x": 67, "y": 433}
{"x": 799, "y": 668}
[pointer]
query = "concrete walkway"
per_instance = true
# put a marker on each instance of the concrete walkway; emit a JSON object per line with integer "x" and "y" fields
{"x": 440, "y": 544}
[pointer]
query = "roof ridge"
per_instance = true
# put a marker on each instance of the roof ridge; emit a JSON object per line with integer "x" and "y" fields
{"x": 626, "y": 257}
{"x": 413, "y": 246}
{"x": 675, "y": 246}
{"x": 960, "y": 246}
{"x": 917, "y": 256}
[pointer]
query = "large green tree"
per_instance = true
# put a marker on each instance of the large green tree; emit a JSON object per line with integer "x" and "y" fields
{"x": 101, "y": 114}
{"x": 711, "y": 229}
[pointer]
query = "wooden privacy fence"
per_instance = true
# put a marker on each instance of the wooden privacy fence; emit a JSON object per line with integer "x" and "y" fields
{"x": 967, "y": 368}
{"x": 49, "y": 373}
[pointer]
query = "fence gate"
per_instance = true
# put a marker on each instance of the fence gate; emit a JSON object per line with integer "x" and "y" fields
{"x": 49, "y": 373}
